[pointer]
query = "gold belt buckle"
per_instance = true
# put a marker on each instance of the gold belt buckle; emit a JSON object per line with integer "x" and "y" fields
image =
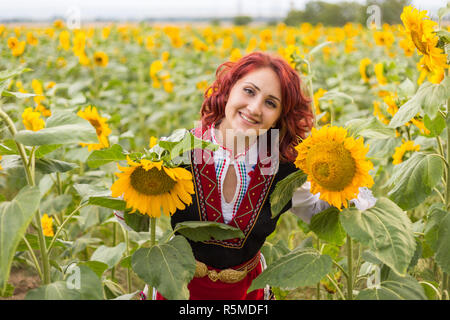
{"x": 226, "y": 275}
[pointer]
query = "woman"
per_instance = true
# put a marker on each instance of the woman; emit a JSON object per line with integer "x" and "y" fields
{"x": 256, "y": 112}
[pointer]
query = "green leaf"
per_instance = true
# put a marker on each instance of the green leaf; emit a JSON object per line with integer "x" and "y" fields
{"x": 394, "y": 288}
{"x": 108, "y": 202}
{"x": 437, "y": 235}
{"x": 181, "y": 142}
{"x": 298, "y": 268}
{"x": 336, "y": 95}
{"x": 18, "y": 95}
{"x": 207, "y": 230}
{"x": 98, "y": 267}
{"x": 137, "y": 221}
{"x": 272, "y": 252}
{"x": 8, "y": 74}
{"x": 56, "y": 204}
{"x": 168, "y": 267}
{"x": 386, "y": 230}
{"x": 8, "y": 147}
{"x": 443, "y": 35}
{"x": 52, "y": 165}
{"x": 284, "y": 190}
{"x": 428, "y": 98}
{"x": 406, "y": 88}
{"x": 100, "y": 157}
{"x": 86, "y": 191}
{"x": 61, "y": 128}
{"x": 109, "y": 255}
{"x": 436, "y": 213}
{"x": 43, "y": 150}
{"x": 327, "y": 226}
{"x": 15, "y": 216}
{"x": 436, "y": 126}
{"x": 413, "y": 181}
{"x": 54, "y": 291}
{"x": 371, "y": 128}
{"x": 81, "y": 283}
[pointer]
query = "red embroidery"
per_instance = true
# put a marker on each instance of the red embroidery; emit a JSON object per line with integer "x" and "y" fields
{"x": 209, "y": 201}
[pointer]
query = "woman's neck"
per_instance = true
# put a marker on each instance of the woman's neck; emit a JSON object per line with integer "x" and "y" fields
{"x": 237, "y": 142}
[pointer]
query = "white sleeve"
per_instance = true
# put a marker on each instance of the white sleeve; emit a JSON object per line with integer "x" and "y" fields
{"x": 364, "y": 200}
{"x": 305, "y": 204}
{"x": 119, "y": 217}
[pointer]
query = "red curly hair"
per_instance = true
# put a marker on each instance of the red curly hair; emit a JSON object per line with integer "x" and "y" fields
{"x": 296, "y": 118}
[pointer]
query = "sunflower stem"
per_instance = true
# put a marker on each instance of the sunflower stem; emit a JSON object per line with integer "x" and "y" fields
{"x": 349, "y": 268}
{"x": 33, "y": 257}
{"x": 447, "y": 194}
{"x": 127, "y": 242}
{"x": 60, "y": 228}
{"x": 28, "y": 165}
{"x": 152, "y": 243}
{"x": 318, "y": 283}
{"x": 152, "y": 231}
{"x": 113, "y": 269}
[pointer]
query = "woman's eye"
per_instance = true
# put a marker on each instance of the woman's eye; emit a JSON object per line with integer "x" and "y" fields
{"x": 249, "y": 91}
{"x": 271, "y": 103}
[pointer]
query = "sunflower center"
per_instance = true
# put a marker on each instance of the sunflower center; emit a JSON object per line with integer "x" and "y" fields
{"x": 97, "y": 126}
{"x": 331, "y": 165}
{"x": 151, "y": 182}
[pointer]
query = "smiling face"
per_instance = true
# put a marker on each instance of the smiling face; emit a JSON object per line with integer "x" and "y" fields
{"x": 254, "y": 103}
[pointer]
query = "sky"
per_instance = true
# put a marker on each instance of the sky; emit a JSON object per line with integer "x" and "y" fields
{"x": 138, "y": 9}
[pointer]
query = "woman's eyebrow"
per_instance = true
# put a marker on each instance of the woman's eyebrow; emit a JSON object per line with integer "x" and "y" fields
{"x": 256, "y": 87}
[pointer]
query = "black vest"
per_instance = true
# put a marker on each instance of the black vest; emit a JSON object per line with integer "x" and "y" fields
{"x": 253, "y": 216}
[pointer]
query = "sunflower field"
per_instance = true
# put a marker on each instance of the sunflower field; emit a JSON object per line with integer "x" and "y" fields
{"x": 82, "y": 110}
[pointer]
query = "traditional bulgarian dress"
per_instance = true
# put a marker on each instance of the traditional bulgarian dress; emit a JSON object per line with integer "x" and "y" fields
{"x": 226, "y": 268}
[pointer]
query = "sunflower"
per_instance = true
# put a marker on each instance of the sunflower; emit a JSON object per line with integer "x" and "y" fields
{"x": 101, "y": 59}
{"x": 335, "y": 164}
{"x": 101, "y": 127}
{"x": 363, "y": 69}
{"x": 420, "y": 30}
{"x": 149, "y": 186}
{"x": 402, "y": 150}
{"x": 378, "y": 113}
{"x": 64, "y": 40}
{"x": 235, "y": 54}
{"x": 420, "y": 125}
{"x": 32, "y": 120}
{"x": 13, "y": 42}
{"x": 47, "y": 225}
{"x": 379, "y": 73}
{"x": 392, "y": 105}
{"x": 17, "y": 47}
{"x": 0, "y": 164}
{"x": 384, "y": 38}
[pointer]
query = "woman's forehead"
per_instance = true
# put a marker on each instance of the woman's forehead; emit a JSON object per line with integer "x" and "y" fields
{"x": 264, "y": 79}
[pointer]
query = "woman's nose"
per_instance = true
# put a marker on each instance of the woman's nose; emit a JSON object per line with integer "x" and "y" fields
{"x": 255, "y": 107}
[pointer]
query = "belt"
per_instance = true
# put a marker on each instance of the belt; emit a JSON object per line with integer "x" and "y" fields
{"x": 226, "y": 275}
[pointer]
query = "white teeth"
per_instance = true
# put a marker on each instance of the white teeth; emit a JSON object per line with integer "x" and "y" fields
{"x": 243, "y": 116}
